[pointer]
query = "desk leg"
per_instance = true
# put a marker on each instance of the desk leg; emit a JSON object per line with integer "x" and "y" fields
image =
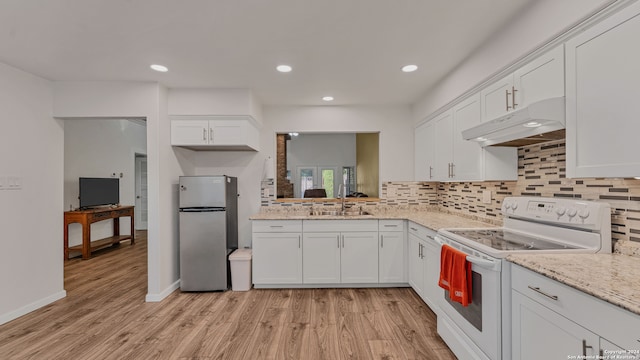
{"x": 133, "y": 229}
{"x": 66, "y": 240}
{"x": 86, "y": 240}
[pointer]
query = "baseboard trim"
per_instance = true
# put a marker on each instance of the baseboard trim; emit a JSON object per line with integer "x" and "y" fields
{"x": 159, "y": 297}
{"x": 5, "y": 318}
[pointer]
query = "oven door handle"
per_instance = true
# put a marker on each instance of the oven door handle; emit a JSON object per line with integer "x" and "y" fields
{"x": 481, "y": 262}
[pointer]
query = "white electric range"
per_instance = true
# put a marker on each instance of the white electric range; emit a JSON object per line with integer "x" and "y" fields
{"x": 532, "y": 225}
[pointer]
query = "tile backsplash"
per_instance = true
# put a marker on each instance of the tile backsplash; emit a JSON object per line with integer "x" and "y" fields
{"x": 541, "y": 172}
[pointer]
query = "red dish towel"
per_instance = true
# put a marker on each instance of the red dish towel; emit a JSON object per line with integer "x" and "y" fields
{"x": 455, "y": 274}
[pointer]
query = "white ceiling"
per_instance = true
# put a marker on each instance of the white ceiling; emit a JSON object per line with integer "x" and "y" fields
{"x": 351, "y": 49}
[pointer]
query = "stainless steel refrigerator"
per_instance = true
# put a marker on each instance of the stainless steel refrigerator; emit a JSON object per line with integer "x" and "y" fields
{"x": 208, "y": 231}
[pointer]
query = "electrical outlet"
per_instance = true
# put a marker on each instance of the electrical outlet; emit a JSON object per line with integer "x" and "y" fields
{"x": 486, "y": 196}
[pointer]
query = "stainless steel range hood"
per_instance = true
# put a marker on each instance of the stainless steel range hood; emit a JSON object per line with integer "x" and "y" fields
{"x": 538, "y": 118}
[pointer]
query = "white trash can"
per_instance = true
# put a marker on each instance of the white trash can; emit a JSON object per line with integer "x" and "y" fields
{"x": 240, "y": 269}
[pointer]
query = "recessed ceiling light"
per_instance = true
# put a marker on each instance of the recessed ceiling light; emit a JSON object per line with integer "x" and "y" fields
{"x": 284, "y": 68}
{"x": 327, "y": 98}
{"x": 532, "y": 124}
{"x": 410, "y": 68}
{"x": 160, "y": 68}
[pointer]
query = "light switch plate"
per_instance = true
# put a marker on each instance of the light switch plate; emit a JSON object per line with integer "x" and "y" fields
{"x": 486, "y": 196}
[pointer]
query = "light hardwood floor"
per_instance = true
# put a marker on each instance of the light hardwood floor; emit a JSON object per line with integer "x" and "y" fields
{"x": 104, "y": 316}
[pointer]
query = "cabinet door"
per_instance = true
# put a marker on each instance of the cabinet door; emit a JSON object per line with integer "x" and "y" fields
{"x": 189, "y": 132}
{"x": 228, "y": 132}
{"x": 443, "y": 146}
{"x": 497, "y": 98}
{"x": 467, "y": 155}
{"x": 416, "y": 267}
{"x": 602, "y": 98}
{"x": 321, "y": 258}
{"x": 277, "y": 258}
{"x": 424, "y": 156}
{"x": 540, "y": 333}
{"x": 542, "y": 78}
{"x": 359, "y": 258}
{"x": 431, "y": 291}
{"x": 391, "y": 257}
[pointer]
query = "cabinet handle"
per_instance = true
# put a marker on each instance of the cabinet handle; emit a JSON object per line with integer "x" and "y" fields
{"x": 210, "y": 134}
{"x": 338, "y": 238}
{"x": 276, "y": 226}
{"x": 513, "y": 97}
{"x": 420, "y": 250}
{"x": 430, "y": 172}
{"x": 381, "y": 241}
{"x": 601, "y": 353}
{"x": 537, "y": 289}
{"x": 204, "y": 134}
{"x": 299, "y": 241}
{"x": 507, "y": 99}
{"x": 453, "y": 172}
{"x": 585, "y": 347}
{"x": 414, "y": 229}
{"x": 343, "y": 241}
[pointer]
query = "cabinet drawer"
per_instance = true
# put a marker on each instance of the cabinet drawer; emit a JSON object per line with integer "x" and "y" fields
{"x": 611, "y": 322}
{"x": 390, "y": 225}
{"x": 340, "y": 225}
{"x": 277, "y": 225}
{"x": 421, "y": 232}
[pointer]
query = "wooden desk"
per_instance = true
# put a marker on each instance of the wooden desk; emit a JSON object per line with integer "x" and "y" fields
{"x": 88, "y": 217}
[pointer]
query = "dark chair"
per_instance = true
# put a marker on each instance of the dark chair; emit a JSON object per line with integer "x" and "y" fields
{"x": 315, "y": 193}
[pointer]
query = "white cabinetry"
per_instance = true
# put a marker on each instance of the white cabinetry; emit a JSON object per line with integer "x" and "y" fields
{"x": 424, "y": 264}
{"x": 424, "y": 151}
{"x": 277, "y": 252}
{"x": 199, "y": 133}
{"x": 602, "y": 98}
{"x": 462, "y": 160}
{"x": 391, "y": 254}
{"x": 340, "y": 251}
{"x": 540, "y": 79}
{"x": 552, "y": 321}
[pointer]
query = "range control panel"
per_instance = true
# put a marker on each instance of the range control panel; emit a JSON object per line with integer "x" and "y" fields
{"x": 580, "y": 213}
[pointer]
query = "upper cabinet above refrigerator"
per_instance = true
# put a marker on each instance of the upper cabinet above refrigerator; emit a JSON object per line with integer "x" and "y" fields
{"x": 237, "y": 133}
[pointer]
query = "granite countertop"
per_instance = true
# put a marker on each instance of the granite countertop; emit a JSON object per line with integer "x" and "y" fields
{"x": 614, "y": 278}
{"x": 432, "y": 219}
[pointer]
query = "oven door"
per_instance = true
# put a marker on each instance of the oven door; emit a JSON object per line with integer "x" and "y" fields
{"x": 478, "y": 325}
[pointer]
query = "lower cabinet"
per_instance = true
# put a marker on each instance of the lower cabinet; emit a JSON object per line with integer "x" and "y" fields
{"x": 329, "y": 252}
{"x": 424, "y": 264}
{"x": 551, "y": 320}
{"x": 277, "y": 252}
{"x": 350, "y": 257}
{"x": 540, "y": 333}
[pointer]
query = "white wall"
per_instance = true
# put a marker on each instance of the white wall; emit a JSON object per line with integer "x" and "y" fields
{"x": 31, "y": 147}
{"x": 99, "y": 148}
{"x": 164, "y": 165}
{"x": 542, "y": 21}
{"x": 187, "y": 101}
{"x": 393, "y": 122}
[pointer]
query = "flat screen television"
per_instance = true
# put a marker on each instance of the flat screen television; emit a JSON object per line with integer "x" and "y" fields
{"x": 99, "y": 191}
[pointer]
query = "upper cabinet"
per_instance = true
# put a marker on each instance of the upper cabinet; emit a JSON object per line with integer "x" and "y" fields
{"x": 542, "y": 78}
{"x": 602, "y": 98}
{"x": 219, "y": 133}
{"x": 458, "y": 159}
{"x": 424, "y": 152}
